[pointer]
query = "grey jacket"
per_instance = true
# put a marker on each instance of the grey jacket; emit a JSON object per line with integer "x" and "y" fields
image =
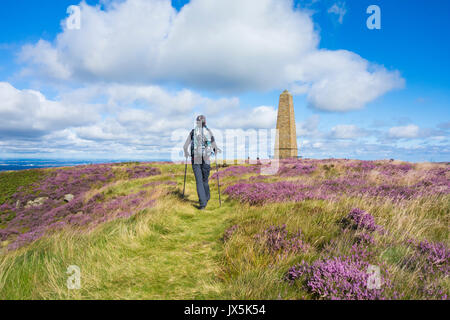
{"x": 200, "y": 154}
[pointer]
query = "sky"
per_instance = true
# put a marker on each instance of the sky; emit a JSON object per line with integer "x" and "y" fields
{"x": 128, "y": 81}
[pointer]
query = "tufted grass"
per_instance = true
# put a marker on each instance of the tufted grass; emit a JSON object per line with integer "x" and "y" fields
{"x": 174, "y": 251}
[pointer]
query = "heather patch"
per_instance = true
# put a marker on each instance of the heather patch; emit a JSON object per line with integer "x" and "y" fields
{"x": 74, "y": 180}
{"x": 144, "y": 171}
{"x": 79, "y": 213}
{"x": 60, "y": 199}
{"x": 262, "y": 192}
{"x": 359, "y": 219}
{"x": 361, "y": 166}
{"x": 258, "y": 178}
{"x": 393, "y": 192}
{"x": 339, "y": 181}
{"x": 385, "y": 168}
{"x": 434, "y": 181}
{"x": 340, "y": 278}
{"x": 364, "y": 238}
{"x": 229, "y": 232}
{"x": 390, "y": 169}
{"x": 295, "y": 169}
{"x": 237, "y": 171}
{"x": 278, "y": 239}
{"x": 286, "y": 168}
{"x": 433, "y": 290}
{"x": 430, "y": 257}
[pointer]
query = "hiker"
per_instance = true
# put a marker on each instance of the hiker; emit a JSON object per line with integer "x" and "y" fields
{"x": 202, "y": 144}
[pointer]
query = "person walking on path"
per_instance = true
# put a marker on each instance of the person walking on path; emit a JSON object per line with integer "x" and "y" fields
{"x": 202, "y": 144}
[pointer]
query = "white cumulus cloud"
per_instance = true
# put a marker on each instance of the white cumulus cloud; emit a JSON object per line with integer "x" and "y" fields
{"x": 347, "y": 131}
{"x": 342, "y": 81}
{"x": 28, "y": 113}
{"x": 222, "y": 45}
{"x": 114, "y": 119}
{"x": 409, "y": 131}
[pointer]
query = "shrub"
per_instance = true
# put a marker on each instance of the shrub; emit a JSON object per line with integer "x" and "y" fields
{"x": 277, "y": 238}
{"x": 431, "y": 257}
{"x": 342, "y": 277}
{"x": 359, "y": 219}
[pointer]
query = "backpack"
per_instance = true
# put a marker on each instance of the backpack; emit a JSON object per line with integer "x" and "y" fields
{"x": 206, "y": 144}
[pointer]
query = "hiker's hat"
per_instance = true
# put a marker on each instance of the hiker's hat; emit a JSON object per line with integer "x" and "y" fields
{"x": 201, "y": 119}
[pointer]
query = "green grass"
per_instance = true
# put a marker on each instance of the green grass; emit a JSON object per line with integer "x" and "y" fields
{"x": 174, "y": 251}
{"x": 10, "y": 181}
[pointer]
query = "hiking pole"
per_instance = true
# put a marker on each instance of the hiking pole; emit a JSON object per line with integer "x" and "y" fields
{"x": 218, "y": 182}
{"x": 185, "y": 171}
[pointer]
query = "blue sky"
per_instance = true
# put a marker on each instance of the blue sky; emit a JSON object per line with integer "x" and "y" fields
{"x": 400, "y": 111}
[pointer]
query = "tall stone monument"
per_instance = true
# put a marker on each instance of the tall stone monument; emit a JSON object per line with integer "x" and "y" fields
{"x": 286, "y": 140}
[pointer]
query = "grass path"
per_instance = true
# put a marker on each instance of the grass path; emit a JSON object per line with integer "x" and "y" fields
{"x": 186, "y": 264}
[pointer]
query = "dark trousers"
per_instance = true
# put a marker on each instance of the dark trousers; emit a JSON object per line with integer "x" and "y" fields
{"x": 201, "y": 173}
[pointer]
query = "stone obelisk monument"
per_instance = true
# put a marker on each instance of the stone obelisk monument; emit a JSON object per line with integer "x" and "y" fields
{"x": 286, "y": 139}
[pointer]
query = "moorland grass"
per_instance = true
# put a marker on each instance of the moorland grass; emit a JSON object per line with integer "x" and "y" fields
{"x": 174, "y": 251}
